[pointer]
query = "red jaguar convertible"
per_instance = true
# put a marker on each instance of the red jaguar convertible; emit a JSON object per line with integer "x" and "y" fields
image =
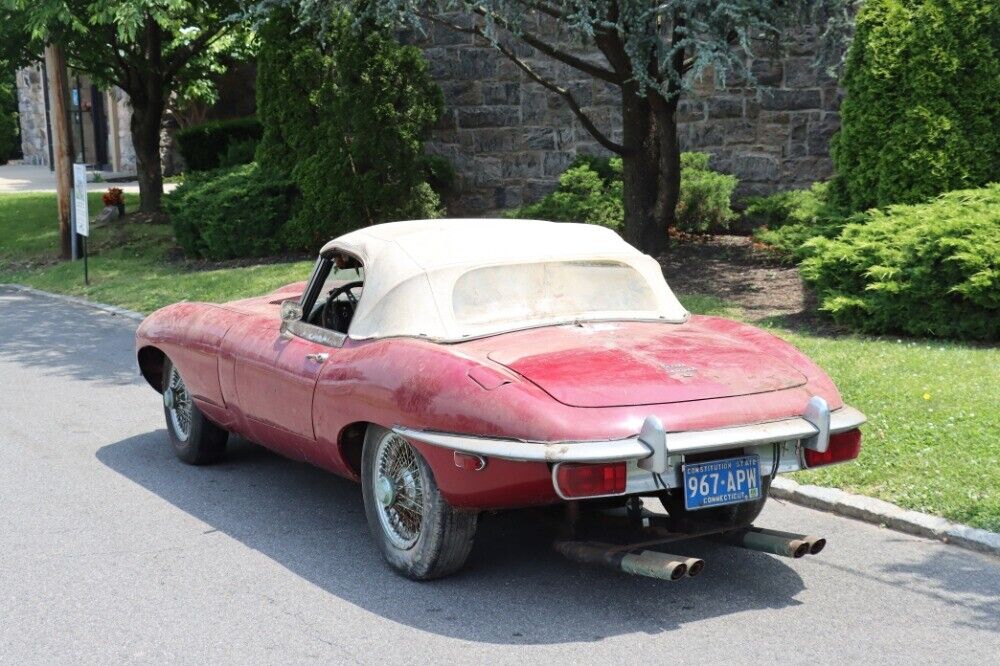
{"x": 456, "y": 366}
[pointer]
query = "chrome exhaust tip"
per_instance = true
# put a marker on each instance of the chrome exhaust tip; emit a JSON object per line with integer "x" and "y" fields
{"x": 767, "y": 541}
{"x": 655, "y": 565}
{"x": 815, "y": 543}
{"x": 649, "y": 563}
{"x": 694, "y": 566}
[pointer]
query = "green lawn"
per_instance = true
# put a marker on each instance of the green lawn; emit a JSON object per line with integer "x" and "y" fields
{"x": 29, "y": 226}
{"x": 129, "y": 266}
{"x": 933, "y": 438}
{"x": 932, "y": 443}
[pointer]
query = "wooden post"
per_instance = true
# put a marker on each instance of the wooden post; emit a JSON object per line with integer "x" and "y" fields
{"x": 62, "y": 142}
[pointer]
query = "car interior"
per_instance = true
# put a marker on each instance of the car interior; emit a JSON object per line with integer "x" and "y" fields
{"x": 335, "y": 310}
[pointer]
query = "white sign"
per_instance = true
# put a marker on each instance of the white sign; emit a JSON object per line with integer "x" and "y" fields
{"x": 80, "y": 199}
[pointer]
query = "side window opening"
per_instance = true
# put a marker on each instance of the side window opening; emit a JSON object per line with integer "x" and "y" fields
{"x": 338, "y": 299}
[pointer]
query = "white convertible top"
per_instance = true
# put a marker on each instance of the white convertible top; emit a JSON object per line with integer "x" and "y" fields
{"x": 452, "y": 279}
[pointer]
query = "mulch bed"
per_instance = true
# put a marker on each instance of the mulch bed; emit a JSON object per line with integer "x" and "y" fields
{"x": 745, "y": 274}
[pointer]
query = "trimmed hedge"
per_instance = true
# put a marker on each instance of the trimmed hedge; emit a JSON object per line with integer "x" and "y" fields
{"x": 706, "y": 196}
{"x": 927, "y": 270}
{"x": 786, "y": 220}
{"x": 346, "y": 126}
{"x": 922, "y": 108}
{"x": 341, "y": 146}
{"x": 231, "y": 213}
{"x": 591, "y": 191}
{"x": 207, "y": 146}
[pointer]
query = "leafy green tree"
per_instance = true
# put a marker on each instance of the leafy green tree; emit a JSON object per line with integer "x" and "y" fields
{"x": 10, "y": 135}
{"x": 14, "y": 38}
{"x": 149, "y": 48}
{"x": 651, "y": 51}
{"x": 922, "y": 109}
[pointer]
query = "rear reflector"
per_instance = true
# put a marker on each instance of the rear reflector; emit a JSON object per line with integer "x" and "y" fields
{"x": 843, "y": 446}
{"x": 574, "y": 480}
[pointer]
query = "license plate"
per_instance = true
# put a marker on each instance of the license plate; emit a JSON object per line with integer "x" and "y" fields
{"x": 721, "y": 482}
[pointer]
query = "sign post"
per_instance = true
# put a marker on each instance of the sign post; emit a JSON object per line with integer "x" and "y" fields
{"x": 81, "y": 214}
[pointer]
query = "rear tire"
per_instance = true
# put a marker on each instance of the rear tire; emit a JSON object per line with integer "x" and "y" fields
{"x": 195, "y": 439}
{"x": 419, "y": 534}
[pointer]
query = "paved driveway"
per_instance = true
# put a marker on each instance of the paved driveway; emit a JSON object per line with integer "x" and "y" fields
{"x": 27, "y": 178}
{"x": 112, "y": 551}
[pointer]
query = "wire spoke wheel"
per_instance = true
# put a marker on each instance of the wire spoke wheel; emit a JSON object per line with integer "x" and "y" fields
{"x": 399, "y": 491}
{"x": 178, "y": 402}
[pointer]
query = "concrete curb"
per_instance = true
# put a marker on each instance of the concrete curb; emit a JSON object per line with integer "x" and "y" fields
{"x": 112, "y": 309}
{"x": 868, "y": 509}
{"x": 880, "y": 512}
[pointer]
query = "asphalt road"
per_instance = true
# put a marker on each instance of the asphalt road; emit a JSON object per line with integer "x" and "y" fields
{"x": 113, "y": 551}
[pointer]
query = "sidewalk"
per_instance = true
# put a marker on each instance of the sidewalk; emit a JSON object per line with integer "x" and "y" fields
{"x": 27, "y": 178}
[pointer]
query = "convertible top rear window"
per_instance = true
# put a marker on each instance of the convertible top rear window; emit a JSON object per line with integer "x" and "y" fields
{"x": 551, "y": 290}
{"x": 452, "y": 280}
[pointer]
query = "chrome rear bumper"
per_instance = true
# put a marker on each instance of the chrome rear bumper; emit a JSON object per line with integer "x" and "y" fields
{"x": 653, "y": 445}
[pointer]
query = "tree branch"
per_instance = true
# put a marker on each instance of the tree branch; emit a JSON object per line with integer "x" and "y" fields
{"x": 544, "y": 8}
{"x": 124, "y": 73}
{"x": 181, "y": 56}
{"x": 574, "y": 106}
{"x": 573, "y": 61}
{"x": 732, "y": 39}
{"x": 610, "y": 45}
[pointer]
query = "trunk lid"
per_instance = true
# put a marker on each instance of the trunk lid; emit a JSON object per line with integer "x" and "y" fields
{"x": 623, "y": 363}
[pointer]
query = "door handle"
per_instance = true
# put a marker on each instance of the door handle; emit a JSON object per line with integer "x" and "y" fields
{"x": 318, "y": 357}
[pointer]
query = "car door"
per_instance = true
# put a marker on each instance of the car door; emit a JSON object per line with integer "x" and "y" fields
{"x": 276, "y": 375}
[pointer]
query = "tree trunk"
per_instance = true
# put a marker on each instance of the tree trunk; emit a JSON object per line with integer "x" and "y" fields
{"x": 669, "y": 167}
{"x": 640, "y": 174}
{"x": 145, "y": 127}
{"x": 62, "y": 144}
{"x": 149, "y": 102}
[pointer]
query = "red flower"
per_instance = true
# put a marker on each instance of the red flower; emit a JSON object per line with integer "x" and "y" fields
{"x": 113, "y": 197}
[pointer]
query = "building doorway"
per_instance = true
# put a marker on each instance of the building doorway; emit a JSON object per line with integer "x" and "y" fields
{"x": 88, "y": 123}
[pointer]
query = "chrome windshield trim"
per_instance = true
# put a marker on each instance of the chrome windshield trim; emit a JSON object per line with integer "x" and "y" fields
{"x": 633, "y": 448}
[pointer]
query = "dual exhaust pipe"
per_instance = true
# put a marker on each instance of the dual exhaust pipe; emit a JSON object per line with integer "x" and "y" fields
{"x": 785, "y": 544}
{"x": 664, "y": 566}
{"x": 649, "y": 563}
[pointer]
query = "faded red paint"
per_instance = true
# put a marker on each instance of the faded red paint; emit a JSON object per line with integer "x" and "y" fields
{"x": 552, "y": 383}
{"x": 610, "y": 365}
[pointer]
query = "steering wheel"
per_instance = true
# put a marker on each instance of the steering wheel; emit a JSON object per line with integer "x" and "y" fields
{"x": 331, "y": 317}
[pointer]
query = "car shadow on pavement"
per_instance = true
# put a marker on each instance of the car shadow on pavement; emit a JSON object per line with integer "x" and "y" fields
{"x": 514, "y": 589}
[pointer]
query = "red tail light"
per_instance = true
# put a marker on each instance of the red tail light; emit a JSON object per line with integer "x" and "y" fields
{"x": 843, "y": 446}
{"x": 574, "y": 480}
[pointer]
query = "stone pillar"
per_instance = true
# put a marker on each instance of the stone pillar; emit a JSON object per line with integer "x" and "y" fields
{"x": 31, "y": 114}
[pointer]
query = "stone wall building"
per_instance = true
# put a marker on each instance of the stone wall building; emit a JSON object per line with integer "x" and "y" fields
{"x": 509, "y": 138}
{"x": 99, "y": 122}
{"x": 100, "y": 119}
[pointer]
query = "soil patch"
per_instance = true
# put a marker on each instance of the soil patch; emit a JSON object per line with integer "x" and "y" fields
{"x": 736, "y": 270}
